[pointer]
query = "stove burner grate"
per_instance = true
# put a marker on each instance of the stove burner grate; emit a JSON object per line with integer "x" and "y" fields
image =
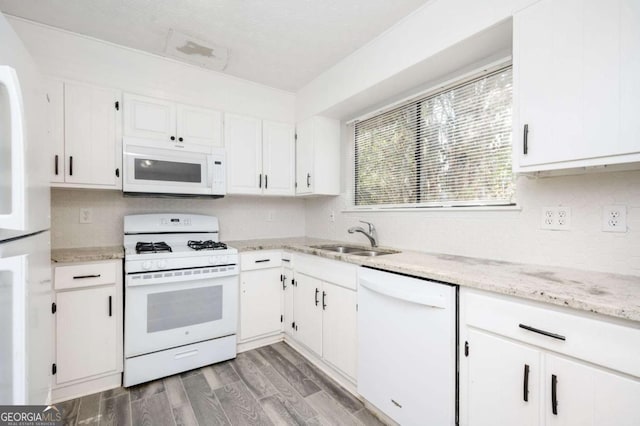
{"x": 206, "y": 245}
{"x": 159, "y": 247}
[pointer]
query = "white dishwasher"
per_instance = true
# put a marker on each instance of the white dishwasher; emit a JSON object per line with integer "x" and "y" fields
{"x": 407, "y": 347}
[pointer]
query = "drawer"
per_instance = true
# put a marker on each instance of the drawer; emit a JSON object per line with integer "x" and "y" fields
{"x": 332, "y": 271}
{"x": 260, "y": 260}
{"x": 601, "y": 342}
{"x": 86, "y": 274}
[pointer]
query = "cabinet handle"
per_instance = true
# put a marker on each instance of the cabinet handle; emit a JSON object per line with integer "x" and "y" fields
{"x": 56, "y": 164}
{"x": 554, "y": 394}
{"x": 71, "y": 165}
{"x": 173, "y": 138}
{"x": 110, "y": 307}
{"x": 308, "y": 180}
{"x": 324, "y": 305}
{"x": 266, "y": 181}
{"x": 317, "y": 301}
{"x": 544, "y": 333}
{"x": 81, "y": 277}
{"x": 525, "y": 139}
{"x": 118, "y": 172}
{"x": 262, "y": 260}
{"x": 525, "y": 390}
{"x": 260, "y": 180}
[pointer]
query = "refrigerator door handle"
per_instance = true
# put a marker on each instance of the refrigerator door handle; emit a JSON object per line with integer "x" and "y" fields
{"x": 16, "y": 267}
{"x": 13, "y": 195}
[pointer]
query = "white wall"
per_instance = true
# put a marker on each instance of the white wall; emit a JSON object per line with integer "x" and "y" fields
{"x": 511, "y": 235}
{"x": 240, "y": 217}
{"x": 76, "y": 57}
{"x": 426, "y": 33}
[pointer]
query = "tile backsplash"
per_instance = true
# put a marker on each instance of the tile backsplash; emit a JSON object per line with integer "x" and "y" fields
{"x": 240, "y": 217}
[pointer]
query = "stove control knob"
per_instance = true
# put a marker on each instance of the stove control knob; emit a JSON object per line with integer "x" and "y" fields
{"x": 162, "y": 264}
{"x": 146, "y": 265}
{"x": 212, "y": 260}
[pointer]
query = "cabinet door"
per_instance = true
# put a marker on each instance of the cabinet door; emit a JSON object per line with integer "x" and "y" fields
{"x": 86, "y": 333}
{"x": 494, "y": 391}
{"x": 149, "y": 118}
{"x": 588, "y": 396}
{"x": 243, "y": 143}
{"x": 278, "y": 158}
{"x": 339, "y": 328}
{"x": 55, "y": 98}
{"x": 304, "y": 157}
{"x": 90, "y": 135}
{"x": 260, "y": 302}
{"x": 308, "y": 312}
{"x": 288, "y": 301}
{"x": 573, "y": 82}
{"x": 199, "y": 126}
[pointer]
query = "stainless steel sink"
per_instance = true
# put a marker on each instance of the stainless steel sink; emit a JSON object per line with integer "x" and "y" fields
{"x": 374, "y": 252}
{"x": 338, "y": 248}
{"x": 357, "y": 251}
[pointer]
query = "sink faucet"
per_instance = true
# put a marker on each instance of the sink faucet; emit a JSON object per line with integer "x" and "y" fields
{"x": 371, "y": 235}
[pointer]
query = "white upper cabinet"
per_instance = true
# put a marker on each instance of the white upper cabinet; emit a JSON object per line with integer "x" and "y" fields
{"x": 149, "y": 118}
{"x": 260, "y": 156}
{"x": 576, "y": 91}
{"x": 84, "y": 131}
{"x": 318, "y": 157}
{"x": 243, "y": 143}
{"x": 171, "y": 125}
{"x": 278, "y": 158}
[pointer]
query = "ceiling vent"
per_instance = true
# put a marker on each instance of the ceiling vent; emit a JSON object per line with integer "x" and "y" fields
{"x": 194, "y": 51}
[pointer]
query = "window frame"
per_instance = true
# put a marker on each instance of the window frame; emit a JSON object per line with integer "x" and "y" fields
{"x": 432, "y": 90}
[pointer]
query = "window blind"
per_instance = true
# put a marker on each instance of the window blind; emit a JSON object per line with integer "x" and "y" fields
{"x": 451, "y": 148}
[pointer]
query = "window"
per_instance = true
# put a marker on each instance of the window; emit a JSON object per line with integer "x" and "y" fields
{"x": 451, "y": 148}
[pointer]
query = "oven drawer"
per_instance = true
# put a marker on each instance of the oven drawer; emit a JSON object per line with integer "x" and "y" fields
{"x": 171, "y": 361}
{"x": 598, "y": 341}
{"x": 85, "y": 275}
{"x": 260, "y": 260}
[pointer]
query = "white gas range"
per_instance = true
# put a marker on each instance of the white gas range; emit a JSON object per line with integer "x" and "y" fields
{"x": 181, "y": 295}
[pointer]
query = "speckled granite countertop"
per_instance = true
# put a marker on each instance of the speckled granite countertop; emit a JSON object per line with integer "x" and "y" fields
{"x": 601, "y": 293}
{"x": 86, "y": 254}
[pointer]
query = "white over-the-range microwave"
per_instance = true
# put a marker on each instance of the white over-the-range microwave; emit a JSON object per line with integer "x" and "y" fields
{"x": 153, "y": 169}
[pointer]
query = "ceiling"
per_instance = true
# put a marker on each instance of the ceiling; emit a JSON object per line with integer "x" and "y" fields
{"x": 280, "y": 43}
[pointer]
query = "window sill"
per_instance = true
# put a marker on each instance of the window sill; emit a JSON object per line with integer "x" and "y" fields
{"x": 431, "y": 209}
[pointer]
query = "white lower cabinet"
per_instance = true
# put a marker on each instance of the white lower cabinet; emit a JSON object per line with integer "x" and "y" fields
{"x": 522, "y": 363}
{"x": 325, "y": 311}
{"x": 307, "y": 313}
{"x": 88, "y": 328}
{"x": 497, "y": 382}
{"x": 260, "y": 294}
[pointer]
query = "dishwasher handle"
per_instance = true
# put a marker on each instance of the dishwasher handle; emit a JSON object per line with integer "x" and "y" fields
{"x": 431, "y": 300}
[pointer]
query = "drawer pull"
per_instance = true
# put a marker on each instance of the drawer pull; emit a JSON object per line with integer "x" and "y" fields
{"x": 262, "y": 260}
{"x": 554, "y": 394}
{"x": 110, "y": 307}
{"x": 82, "y": 277}
{"x": 544, "y": 333}
{"x": 186, "y": 354}
{"x": 396, "y": 404}
{"x": 525, "y": 390}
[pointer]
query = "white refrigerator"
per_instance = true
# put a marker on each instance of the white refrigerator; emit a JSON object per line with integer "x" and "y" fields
{"x": 25, "y": 272}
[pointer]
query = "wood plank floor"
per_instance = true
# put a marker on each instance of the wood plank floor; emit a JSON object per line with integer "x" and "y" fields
{"x": 273, "y": 385}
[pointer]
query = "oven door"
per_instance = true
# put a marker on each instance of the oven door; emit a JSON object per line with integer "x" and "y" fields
{"x": 165, "y": 315}
{"x": 164, "y": 171}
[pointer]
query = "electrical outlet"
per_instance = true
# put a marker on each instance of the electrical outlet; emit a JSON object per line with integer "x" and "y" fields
{"x": 270, "y": 215}
{"x": 332, "y": 216}
{"x": 614, "y": 219}
{"x": 86, "y": 215}
{"x": 556, "y": 218}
